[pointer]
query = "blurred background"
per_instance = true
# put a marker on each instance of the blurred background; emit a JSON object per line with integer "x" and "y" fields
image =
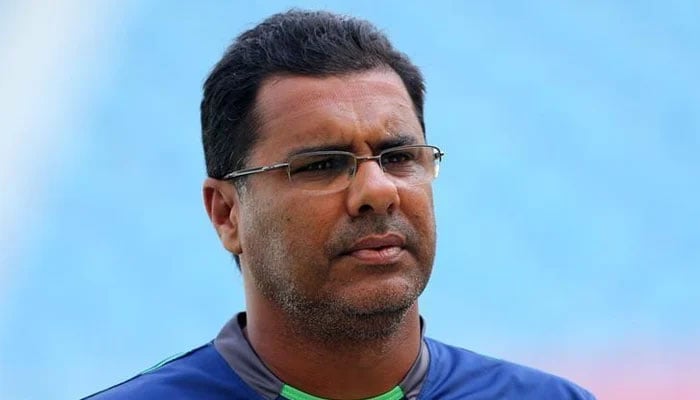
{"x": 567, "y": 206}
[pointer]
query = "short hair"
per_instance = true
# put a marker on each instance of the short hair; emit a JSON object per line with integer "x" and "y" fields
{"x": 310, "y": 43}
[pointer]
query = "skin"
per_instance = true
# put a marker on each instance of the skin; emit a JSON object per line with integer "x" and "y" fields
{"x": 333, "y": 323}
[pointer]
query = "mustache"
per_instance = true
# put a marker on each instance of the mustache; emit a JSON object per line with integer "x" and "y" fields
{"x": 349, "y": 233}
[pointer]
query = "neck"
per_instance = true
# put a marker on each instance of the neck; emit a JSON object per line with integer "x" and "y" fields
{"x": 324, "y": 368}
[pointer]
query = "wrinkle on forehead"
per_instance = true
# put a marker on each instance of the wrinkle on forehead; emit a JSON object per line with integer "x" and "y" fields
{"x": 377, "y": 93}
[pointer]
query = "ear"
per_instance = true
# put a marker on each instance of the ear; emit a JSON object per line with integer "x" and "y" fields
{"x": 222, "y": 203}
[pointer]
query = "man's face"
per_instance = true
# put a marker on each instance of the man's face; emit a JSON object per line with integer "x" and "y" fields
{"x": 333, "y": 260}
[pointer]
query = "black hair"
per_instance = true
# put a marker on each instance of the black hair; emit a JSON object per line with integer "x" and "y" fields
{"x": 312, "y": 43}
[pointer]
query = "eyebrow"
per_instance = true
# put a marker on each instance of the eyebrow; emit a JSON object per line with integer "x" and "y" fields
{"x": 400, "y": 139}
{"x": 393, "y": 141}
{"x": 323, "y": 147}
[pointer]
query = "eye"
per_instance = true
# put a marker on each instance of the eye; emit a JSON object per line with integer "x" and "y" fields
{"x": 315, "y": 166}
{"x": 399, "y": 156}
{"x": 318, "y": 164}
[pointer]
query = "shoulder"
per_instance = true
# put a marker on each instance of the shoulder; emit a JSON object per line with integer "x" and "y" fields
{"x": 199, "y": 373}
{"x": 455, "y": 373}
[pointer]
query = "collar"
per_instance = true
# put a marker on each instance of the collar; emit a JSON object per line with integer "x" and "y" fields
{"x": 233, "y": 346}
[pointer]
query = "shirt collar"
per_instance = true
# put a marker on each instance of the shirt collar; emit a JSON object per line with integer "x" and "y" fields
{"x": 233, "y": 346}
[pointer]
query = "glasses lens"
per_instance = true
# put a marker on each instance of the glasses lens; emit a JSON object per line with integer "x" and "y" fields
{"x": 411, "y": 165}
{"x": 325, "y": 171}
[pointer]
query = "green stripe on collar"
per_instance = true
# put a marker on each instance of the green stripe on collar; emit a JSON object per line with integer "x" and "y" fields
{"x": 291, "y": 393}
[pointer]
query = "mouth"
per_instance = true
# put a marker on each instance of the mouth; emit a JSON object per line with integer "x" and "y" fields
{"x": 377, "y": 249}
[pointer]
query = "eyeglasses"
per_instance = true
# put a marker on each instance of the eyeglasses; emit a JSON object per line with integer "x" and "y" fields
{"x": 328, "y": 171}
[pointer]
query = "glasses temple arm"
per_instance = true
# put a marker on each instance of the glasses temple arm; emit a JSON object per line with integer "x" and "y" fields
{"x": 251, "y": 171}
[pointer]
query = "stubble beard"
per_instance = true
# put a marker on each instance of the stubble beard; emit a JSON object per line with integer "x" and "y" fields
{"x": 334, "y": 320}
{"x": 329, "y": 318}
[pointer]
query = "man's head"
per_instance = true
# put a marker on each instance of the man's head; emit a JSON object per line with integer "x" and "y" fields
{"x": 291, "y": 43}
{"x": 344, "y": 263}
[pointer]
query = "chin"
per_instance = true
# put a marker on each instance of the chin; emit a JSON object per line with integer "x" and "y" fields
{"x": 381, "y": 295}
{"x": 395, "y": 295}
{"x": 360, "y": 310}
{"x": 375, "y": 323}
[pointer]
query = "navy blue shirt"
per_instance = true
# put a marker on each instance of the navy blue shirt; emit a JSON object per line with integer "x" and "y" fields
{"x": 444, "y": 372}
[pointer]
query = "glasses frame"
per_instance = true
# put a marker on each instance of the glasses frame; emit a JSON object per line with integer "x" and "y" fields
{"x": 358, "y": 160}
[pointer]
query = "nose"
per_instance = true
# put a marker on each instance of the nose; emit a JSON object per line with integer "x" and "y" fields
{"x": 371, "y": 191}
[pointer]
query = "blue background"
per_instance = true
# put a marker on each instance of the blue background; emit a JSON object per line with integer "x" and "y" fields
{"x": 567, "y": 204}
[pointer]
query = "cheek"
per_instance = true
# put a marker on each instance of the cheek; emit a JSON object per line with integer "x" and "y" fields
{"x": 296, "y": 225}
{"x": 309, "y": 221}
{"x": 417, "y": 204}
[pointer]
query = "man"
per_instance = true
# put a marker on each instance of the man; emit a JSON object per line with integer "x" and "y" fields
{"x": 320, "y": 186}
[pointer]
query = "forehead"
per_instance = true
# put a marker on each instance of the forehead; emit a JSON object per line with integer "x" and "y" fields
{"x": 347, "y": 109}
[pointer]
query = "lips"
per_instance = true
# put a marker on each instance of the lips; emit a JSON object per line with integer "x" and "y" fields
{"x": 377, "y": 249}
